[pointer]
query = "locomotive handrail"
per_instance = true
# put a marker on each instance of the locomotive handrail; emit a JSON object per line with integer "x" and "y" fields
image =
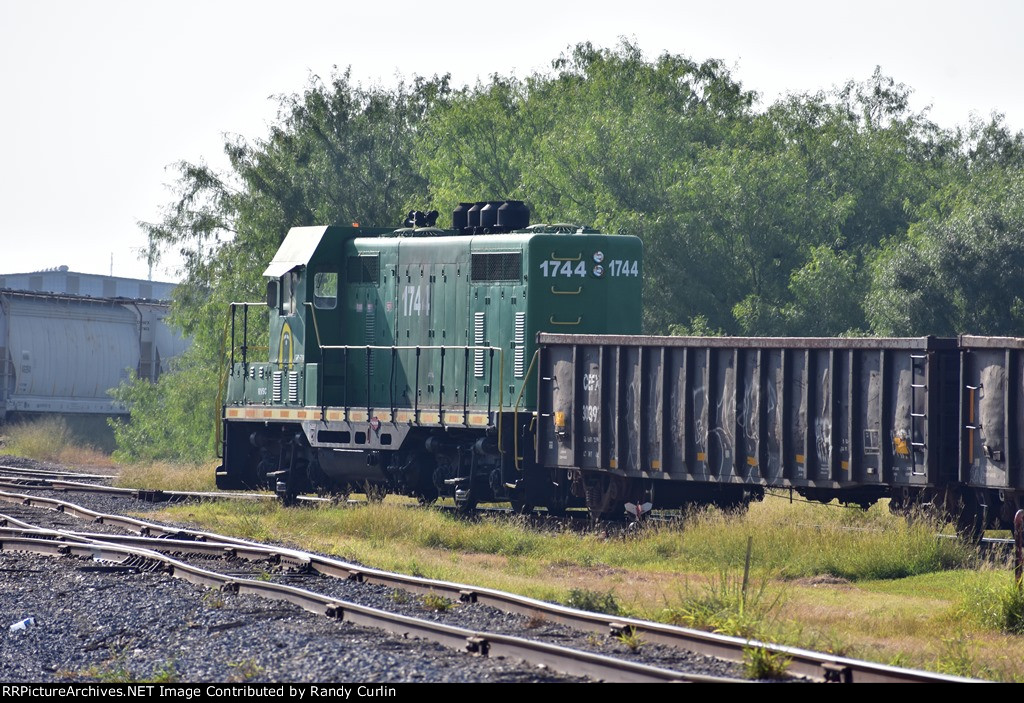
{"x": 245, "y": 329}
{"x": 515, "y": 416}
{"x": 229, "y": 328}
{"x": 407, "y": 346}
{"x": 418, "y": 348}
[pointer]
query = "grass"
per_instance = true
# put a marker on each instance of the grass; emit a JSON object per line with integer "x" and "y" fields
{"x": 168, "y": 476}
{"x": 116, "y": 670}
{"x": 995, "y": 603}
{"x": 630, "y": 639}
{"x": 435, "y": 603}
{"x": 53, "y": 439}
{"x": 852, "y": 582}
{"x": 595, "y": 602}
{"x": 245, "y": 670}
{"x": 858, "y": 583}
{"x": 792, "y": 541}
{"x": 722, "y": 604}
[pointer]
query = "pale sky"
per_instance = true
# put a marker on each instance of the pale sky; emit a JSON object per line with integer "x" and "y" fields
{"x": 100, "y": 96}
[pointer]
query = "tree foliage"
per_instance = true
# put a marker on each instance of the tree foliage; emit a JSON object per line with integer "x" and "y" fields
{"x": 337, "y": 153}
{"x": 839, "y": 212}
{"x": 963, "y": 272}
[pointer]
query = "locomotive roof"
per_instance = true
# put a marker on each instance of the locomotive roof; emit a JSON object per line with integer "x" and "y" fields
{"x": 296, "y": 249}
{"x": 301, "y": 244}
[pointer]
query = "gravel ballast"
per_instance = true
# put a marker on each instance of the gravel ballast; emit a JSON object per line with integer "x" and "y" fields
{"x": 95, "y": 625}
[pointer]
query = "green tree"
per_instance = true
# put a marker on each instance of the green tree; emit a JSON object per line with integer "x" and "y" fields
{"x": 338, "y": 152}
{"x": 821, "y": 214}
{"x": 959, "y": 273}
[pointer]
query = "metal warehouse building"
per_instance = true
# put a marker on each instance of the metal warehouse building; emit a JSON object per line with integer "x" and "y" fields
{"x": 67, "y": 338}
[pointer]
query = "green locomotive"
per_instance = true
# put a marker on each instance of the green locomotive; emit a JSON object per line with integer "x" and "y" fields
{"x": 404, "y": 360}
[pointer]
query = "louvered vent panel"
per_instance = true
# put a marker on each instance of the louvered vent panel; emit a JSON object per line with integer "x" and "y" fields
{"x": 478, "y": 340}
{"x": 519, "y": 337}
{"x": 293, "y": 387}
{"x": 275, "y": 387}
{"x": 371, "y": 329}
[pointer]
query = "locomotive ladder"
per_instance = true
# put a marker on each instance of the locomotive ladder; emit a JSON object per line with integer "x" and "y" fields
{"x": 918, "y": 420}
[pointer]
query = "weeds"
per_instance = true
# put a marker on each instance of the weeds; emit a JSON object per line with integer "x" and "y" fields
{"x": 996, "y": 605}
{"x": 536, "y": 620}
{"x": 168, "y": 476}
{"x": 436, "y": 604}
{"x": 630, "y": 638}
{"x": 593, "y": 601}
{"x": 956, "y": 657}
{"x": 246, "y": 670}
{"x": 115, "y": 670}
{"x": 698, "y": 560}
{"x": 762, "y": 664}
{"x": 723, "y": 606}
{"x": 704, "y": 541}
{"x": 213, "y": 599}
{"x": 53, "y": 439}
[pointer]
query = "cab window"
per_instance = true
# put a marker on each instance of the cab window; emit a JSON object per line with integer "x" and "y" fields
{"x": 289, "y": 285}
{"x": 325, "y": 290}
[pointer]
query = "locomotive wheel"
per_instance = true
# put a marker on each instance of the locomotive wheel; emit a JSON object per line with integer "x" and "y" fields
{"x": 520, "y": 508}
{"x": 556, "y": 508}
{"x": 465, "y": 502}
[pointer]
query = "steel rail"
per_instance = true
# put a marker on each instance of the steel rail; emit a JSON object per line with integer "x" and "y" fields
{"x": 146, "y": 494}
{"x": 54, "y": 474}
{"x": 559, "y": 658}
{"x": 802, "y": 662}
{"x": 45, "y": 482}
{"x": 220, "y": 550}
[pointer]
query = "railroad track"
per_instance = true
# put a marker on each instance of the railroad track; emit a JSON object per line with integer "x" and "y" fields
{"x": 46, "y": 473}
{"x": 805, "y": 663}
{"x": 141, "y": 552}
{"x": 45, "y": 480}
{"x": 16, "y": 477}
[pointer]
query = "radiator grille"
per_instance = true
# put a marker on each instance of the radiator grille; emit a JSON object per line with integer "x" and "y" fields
{"x": 497, "y": 267}
{"x": 364, "y": 269}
